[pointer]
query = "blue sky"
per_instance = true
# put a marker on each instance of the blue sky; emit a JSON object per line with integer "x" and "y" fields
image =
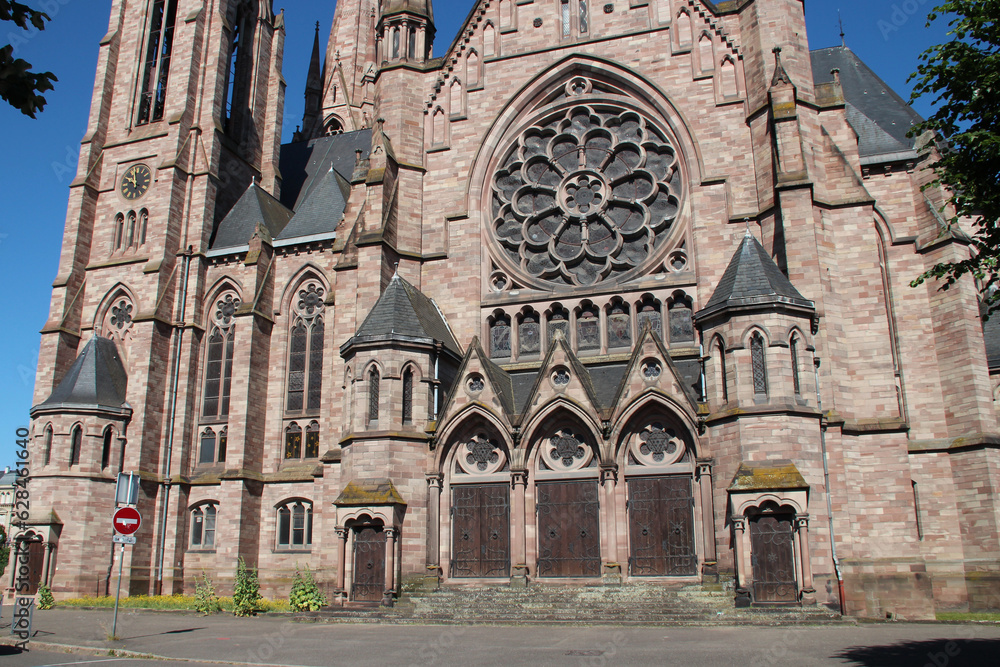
{"x": 38, "y": 157}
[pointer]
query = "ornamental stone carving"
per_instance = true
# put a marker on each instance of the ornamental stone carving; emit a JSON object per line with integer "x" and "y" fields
{"x": 586, "y": 195}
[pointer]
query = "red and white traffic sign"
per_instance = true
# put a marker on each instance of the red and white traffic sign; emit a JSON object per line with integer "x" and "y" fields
{"x": 127, "y": 520}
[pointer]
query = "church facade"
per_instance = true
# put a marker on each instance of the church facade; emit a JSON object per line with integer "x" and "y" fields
{"x": 608, "y": 294}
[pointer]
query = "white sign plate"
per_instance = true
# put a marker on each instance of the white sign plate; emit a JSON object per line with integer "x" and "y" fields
{"x": 123, "y": 539}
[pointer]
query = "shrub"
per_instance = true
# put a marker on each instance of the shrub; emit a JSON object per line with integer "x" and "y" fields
{"x": 246, "y": 592}
{"x": 205, "y": 599}
{"x": 45, "y": 599}
{"x": 305, "y": 594}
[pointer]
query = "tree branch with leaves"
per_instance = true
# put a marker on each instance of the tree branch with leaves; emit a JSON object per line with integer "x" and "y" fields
{"x": 19, "y": 86}
{"x": 963, "y": 78}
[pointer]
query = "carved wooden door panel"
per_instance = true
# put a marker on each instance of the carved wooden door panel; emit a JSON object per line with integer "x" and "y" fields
{"x": 36, "y": 560}
{"x": 480, "y": 529}
{"x": 772, "y": 558}
{"x": 569, "y": 538}
{"x": 661, "y": 527}
{"x": 369, "y": 564}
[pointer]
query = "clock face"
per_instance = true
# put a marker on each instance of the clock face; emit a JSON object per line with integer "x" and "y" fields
{"x": 136, "y": 181}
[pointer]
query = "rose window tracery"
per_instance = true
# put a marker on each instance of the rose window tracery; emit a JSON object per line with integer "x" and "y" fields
{"x": 585, "y": 195}
{"x": 658, "y": 445}
{"x": 480, "y": 455}
{"x": 566, "y": 451}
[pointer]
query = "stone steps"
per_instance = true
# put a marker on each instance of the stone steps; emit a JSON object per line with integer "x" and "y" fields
{"x": 591, "y": 605}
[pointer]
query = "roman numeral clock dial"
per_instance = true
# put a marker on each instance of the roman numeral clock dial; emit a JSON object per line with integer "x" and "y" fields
{"x": 135, "y": 182}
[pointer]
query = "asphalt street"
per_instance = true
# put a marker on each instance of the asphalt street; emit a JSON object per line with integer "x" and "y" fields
{"x": 279, "y": 641}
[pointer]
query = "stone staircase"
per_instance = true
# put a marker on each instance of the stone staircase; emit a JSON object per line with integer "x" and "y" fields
{"x": 631, "y": 604}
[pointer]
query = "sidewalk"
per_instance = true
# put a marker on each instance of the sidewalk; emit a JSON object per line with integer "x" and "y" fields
{"x": 278, "y": 640}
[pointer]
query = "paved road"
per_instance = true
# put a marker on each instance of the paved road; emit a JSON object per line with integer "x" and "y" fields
{"x": 277, "y": 641}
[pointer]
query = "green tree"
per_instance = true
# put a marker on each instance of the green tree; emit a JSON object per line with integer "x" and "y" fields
{"x": 19, "y": 86}
{"x": 4, "y": 551}
{"x": 963, "y": 78}
{"x": 246, "y": 591}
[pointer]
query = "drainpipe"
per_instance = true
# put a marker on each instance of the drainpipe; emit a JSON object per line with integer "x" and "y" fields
{"x": 170, "y": 422}
{"x": 826, "y": 480}
{"x": 437, "y": 379}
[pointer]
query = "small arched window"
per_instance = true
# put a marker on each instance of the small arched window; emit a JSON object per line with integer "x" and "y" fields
{"x": 312, "y": 440}
{"x": 411, "y": 48}
{"x": 47, "y": 446}
{"x": 130, "y": 230}
{"x": 529, "y": 334}
{"x": 558, "y": 321}
{"x": 500, "y": 336}
{"x": 333, "y": 127}
{"x": 793, "y": 349}
{"x": 116, "y": 244}
{"x": 588, "y": 328}
{"x": 395, "y": 43}
{"x": 76, "y": 443}
{"x": 407, "y": 396}
{"x": 681, "y": 320}
{"x": 293, "y": 441}
{"x": 759, "y": 365}
{"x": 295, "y": 523}
{"x": 203, "y": 520}
{"x": 141, "y": 230}
{"x": 374, "y": 380}
{"x": 720, "y": 353}
{"x": 619, "y": 325}
{"x": 649, "y": 315}
{"x": 106, "y": 448}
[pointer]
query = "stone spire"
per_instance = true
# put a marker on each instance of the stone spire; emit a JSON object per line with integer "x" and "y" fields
{"x": 311, "y": 119}
{"x": 350, "y": 56}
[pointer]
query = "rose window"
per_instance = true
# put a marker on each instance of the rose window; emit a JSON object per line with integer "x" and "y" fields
{"x": 658, "y": 445}
{"x": 480, "y": 455}
{"x": 586, "y": 195}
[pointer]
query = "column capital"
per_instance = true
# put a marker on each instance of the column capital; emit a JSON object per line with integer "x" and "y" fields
{"x": 390, "y": 533}
{"x": 341, "y": 532}
{"x": 802, "y": 520}
{"x": 434, "y": 480}
{"x": 705, "y": 466}
{"x": 519, "y": 477}
{"x": 739, "y": 521}
{"x": 609, "y": 473}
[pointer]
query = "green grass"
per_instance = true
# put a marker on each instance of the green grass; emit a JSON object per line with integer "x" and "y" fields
{"x": 968, "y": 616}
{"x": 163, "y": 602}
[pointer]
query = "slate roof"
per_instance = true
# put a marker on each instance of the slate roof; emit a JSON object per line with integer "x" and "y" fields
{"x": 321, "y": 210}
{"x": 300, "y": 163}
{"x": 751, "y": 279}
{"x": 255, "y": 207}
{"x": 879, "y": 116}
{"x": 417, "y": 7}
{"x": 404, "y": 313}
{"x": 96, "y": 381}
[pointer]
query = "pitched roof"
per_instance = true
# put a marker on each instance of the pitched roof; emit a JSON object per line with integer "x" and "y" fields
{"x": 879, "y": 116}
{"x": 255, "y": 207}
{"x": 96, "y": 381}
{"x": 322, "y": 208}
{"x": 404, "y": 313}
{"x": 751, "y": 279}
{"x": 303, "y": 162}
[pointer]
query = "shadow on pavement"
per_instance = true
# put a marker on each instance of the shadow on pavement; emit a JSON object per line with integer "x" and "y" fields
{"x": 929, "y": 653}
{"x": 168, "y": 632}
{"x": 10, "y": 650}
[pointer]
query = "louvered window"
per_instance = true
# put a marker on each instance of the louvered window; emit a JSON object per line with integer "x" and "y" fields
{"x": 156, "y": 62}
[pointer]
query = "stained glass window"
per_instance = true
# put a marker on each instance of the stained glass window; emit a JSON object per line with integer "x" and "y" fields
{"x": 312, "y": 440}
{"x": 588, "y": 329}
{"x": 373, "y": 391}
{"x": 293, "y": 441}
{"x": 407, "y": 396}
{"x": 649, "y": 314}
{"x": 794, "y": 350}
{"x": 206, "y": 453}
{"x": 759, "y": 365}
{"x": 558, "y": 321}
{"x": 529, "y": 334}
{"x": 619, "y": 326}
{"x": 681, "y": 323}
{"x": 76, "y": 442}
{"x": 500, "y": 337}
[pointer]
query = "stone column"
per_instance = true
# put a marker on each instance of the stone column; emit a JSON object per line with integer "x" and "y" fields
{"x": 612, "y": 574}
{"x": 742, "y": 592}
{"x": 711, "y": 564}
{"x": 519, "y": 568}
{"x": 341, "y": 592}
{"x": 434, "y": 483}
{"x": 808, "y": 590}
{"x": 390, "y": 567}
{"x": 49, "y": 548}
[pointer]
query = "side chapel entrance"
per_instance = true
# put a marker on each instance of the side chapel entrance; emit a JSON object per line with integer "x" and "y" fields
{"x": 773, "y": 558}
{"x": 368, "y": 583}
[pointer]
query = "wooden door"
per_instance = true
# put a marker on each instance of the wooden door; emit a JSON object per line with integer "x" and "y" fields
{"x": 569, "y": 537}
{"x": 661, "y": 527}
{"x": 36, "y": 561}
{"x": 772, "y": 558}
{"x": 480, "y": 530}
{"x": 368, "y": 583}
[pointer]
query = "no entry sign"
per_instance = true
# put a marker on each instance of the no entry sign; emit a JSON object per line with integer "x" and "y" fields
{"x": 127, "y": 520}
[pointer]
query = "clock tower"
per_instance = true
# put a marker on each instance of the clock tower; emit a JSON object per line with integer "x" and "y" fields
{"x": 186, "y": 114}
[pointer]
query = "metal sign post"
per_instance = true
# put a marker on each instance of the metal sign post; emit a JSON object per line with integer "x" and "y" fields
{"x": 126, "y": 522}
{"x": 121, "y": 563}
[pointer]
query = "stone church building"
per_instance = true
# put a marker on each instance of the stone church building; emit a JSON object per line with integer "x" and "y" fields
{"x": 613, "y": 292}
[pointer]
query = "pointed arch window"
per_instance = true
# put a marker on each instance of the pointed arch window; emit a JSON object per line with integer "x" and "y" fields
{"x": 407, "y": 396}
{"x": 793, "y": 349}
{"x": 529, "y": 334}
{"x": 293, "y": 441}
{"x": 500, "y": 336}
{"x": 219, "y": 358}
{"x": 76, "y": 443}
{"x": 305, "y": 357}
{"x": 759, "y": 365}
{"x": 395, "y": 43}
{"x": 212, "y": 446}
{"x": 240, "y": 49}
{"x": 116, "y": 244}
{"x": 411, "y": 47}
{"x": 588, "y": 329}
{"x": 558, "y": 321}
{"x": 720, "y": 352}
{"x": 295, "y": 524}
{"x": 681, "y": 320}
{"x": 649, "y": 315}
{"x": 47, "y": 446}
{"x": 156, "y": 61}
{"x": 106, "y": 448}
{"x": 374, "y": 380}
{"x": 619, "y": 325}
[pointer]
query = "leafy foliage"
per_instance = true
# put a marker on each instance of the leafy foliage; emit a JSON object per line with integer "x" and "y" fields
{"x": 188, "y": 602}
{"x": 205, "y": 600}
{"x": 963, "y": 76}
{"x": 45, "y": 599}
{"x": 4, "y": 550}
{"x": 19, "y": 86}
{"x": 305, "y": 594}
{"x": 246, "y": 592}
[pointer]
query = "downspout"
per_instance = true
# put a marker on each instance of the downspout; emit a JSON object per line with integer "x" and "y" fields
{"x": 826, "y": 480}
{"x": 170, "y": 423}
{"x": 437, "y": 380}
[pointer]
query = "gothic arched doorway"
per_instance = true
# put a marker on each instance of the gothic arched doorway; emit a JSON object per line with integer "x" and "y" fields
{"x": 368, "y": 580}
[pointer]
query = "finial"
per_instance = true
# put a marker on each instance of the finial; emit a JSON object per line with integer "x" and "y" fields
{"x": 317, "y": 26}
{"x": 843, "y": 42}
{"x": 780, "y": 75}
{"x": 748, "y": 234}
{"x": 395, "y": 270}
